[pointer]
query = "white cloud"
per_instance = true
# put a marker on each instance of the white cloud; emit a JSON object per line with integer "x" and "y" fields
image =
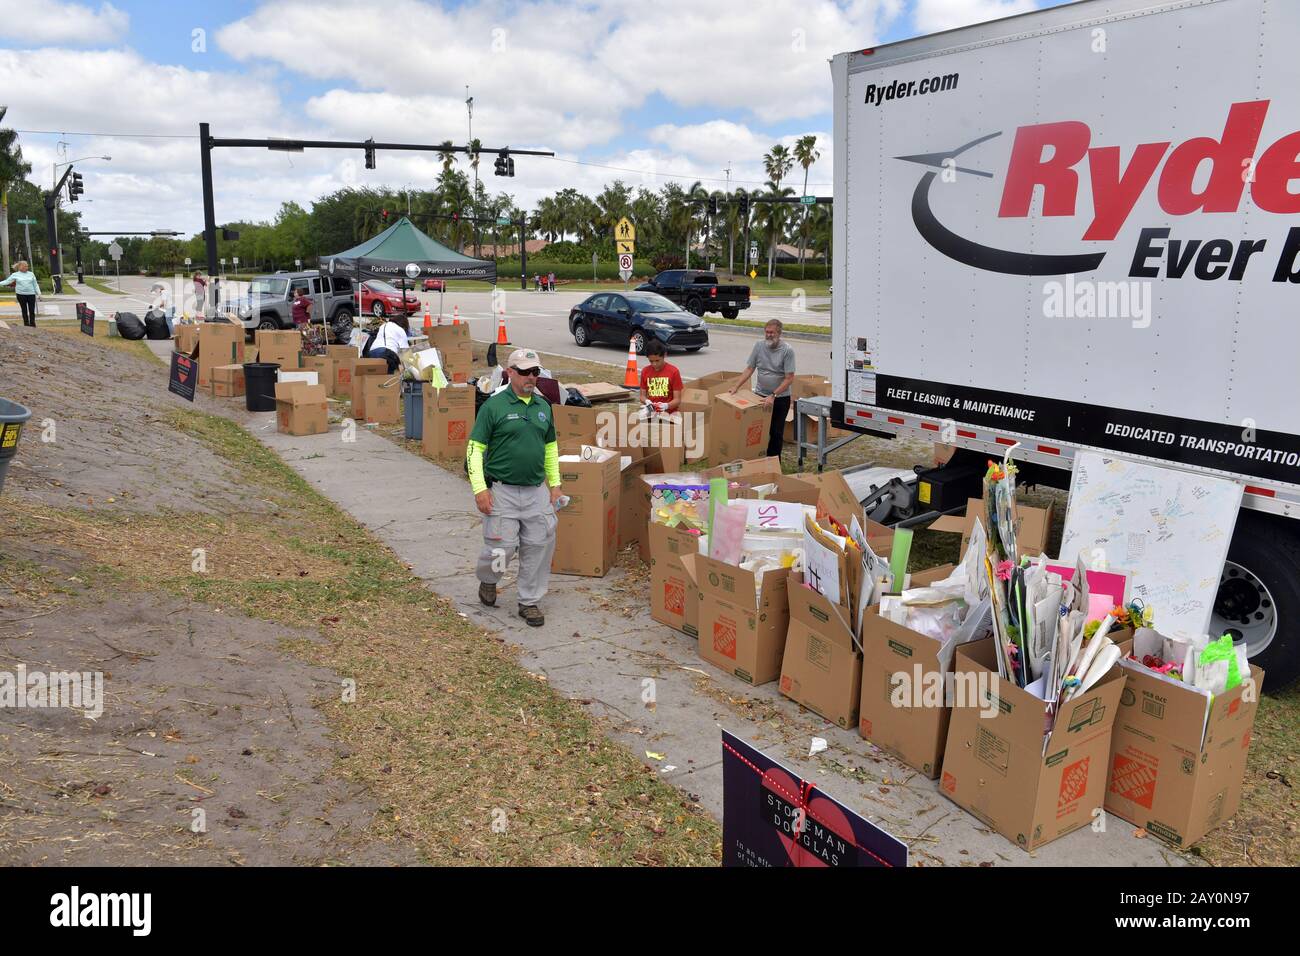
{"x": 48, "y": 21}
{"x": 932, "y": 16}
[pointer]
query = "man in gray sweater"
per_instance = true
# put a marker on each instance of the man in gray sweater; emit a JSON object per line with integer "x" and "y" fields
{"x": 774, "y": 362}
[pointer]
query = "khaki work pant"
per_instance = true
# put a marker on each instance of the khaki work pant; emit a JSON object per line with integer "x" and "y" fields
{"x": 522, "y": 521}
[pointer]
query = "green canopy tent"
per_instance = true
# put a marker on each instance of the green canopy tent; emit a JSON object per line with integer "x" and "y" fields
{"x": 403, "y": 254}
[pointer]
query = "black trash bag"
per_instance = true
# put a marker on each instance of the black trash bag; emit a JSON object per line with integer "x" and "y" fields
{"x": 129, "y": 326}
{"x": 155, "y": 326}
{"x": 577, "y": 399}
{"x": 492, "y": 356}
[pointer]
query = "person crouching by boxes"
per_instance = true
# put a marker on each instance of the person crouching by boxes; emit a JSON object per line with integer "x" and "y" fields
{"x": 513, "y": 457}
{"x": 391, "y": 338}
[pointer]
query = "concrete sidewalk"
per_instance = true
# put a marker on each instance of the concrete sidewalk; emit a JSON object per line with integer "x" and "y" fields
{"x": 602, "y": 658}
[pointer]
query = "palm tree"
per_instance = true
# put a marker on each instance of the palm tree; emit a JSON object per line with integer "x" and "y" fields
{"x": 734, "y": 223}
{"x": 777, "y": 164}
{"x": 697, "y": 211}
{"x": 773, "y": 219}
{"x": 806, "y": 152}
{"x": 448, "y": 157}
{"x": 13, "y": 169}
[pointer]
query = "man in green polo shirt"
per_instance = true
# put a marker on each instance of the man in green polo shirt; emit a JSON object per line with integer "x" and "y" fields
{"x": 514, "y": 472}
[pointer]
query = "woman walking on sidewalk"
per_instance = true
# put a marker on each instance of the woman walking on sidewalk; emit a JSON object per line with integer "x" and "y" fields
{"x": 24, "y": 282}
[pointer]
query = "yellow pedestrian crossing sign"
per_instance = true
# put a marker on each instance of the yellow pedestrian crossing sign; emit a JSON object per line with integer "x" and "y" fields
{"x": 625, "y": 246}
{"x": 625, "y": 231}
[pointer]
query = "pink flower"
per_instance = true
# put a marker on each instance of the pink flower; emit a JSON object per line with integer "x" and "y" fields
{"x": 1003, "y": 571}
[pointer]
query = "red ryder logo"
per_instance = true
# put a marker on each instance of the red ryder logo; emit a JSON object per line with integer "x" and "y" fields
{"x": 1053, "y": 155}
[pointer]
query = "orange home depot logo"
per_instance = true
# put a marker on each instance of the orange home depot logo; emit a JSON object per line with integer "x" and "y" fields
{"x": 456, "y": 431}
{"x": 724, "y": 637}
{"x": 611, "y": 524}
{"x": 1074, "y": 781}
{"x": 345, "y": 376}
{"x": 755, "y": 434}
{"x": 674, "y": 597}
{"x": 785, "y": 683}
{"x": 949, "y": 782}
{"x": 1133, "y": 780}
{"x": 284, "y": 417}
{"x": 865, "y": 727}
{"x": 1234, "y": 706}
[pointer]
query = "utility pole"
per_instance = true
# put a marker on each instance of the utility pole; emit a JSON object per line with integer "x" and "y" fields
{"x": 523, "y": 252}
{"x": 731, "y": 236}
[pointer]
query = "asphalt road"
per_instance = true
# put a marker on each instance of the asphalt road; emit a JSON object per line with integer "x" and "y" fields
{"x": 538, "y": 320}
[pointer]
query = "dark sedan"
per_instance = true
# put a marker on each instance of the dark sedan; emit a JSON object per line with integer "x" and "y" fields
{"x": 617, "y": 317}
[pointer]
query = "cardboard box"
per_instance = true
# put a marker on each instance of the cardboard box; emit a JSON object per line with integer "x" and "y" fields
{"x": 288, "y": 357}
{"x": 994, "y": 766}
{"x": 228, "y": 381}
{"x": 361, "y": 368}
{"x": 633, "y": 507}
{"x": 382, "y": 395}
{"x": 574, "y": 426}
{"x": 323, "y": 366}
{"x": 1035, "y": 526}
{"x": 807, "y": 386}
{"x": 738, "y": 427}
{"x": 187, "y": 336}
{"x": 1165, "y": 775}
{"x": 219, "y": 344}
{"x": 586, "y": 540}
{"x": 448, "y": 420}
{"x": 742, "y": 628}
{"x": 917, "y": 732}
{"x": 457, "y": 350}
{"x": 698, "y": 394}
{"x": 301, "y": 409}
{"x": 276, "y": 338}
{"x": 821, "y": 667}
{"x": 837, "y": 498}
{"x": 344, "y": 356}
{"x": 669, "y": 580}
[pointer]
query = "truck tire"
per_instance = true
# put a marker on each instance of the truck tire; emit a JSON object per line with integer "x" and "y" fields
{"x": 730, "y": 313}
{"x": 695, "y": 305}
{"x": 1259, "y": 595}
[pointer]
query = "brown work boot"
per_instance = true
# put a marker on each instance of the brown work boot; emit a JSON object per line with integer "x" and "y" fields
{"x": 532, "y": 614}
{"x": 487, "y": 593}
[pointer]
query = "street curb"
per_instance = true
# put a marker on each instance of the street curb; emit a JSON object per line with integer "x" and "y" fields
{"x": 758, "y": 333}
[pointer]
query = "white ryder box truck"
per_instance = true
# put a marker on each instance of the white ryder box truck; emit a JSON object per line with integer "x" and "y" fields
{"x": 1080, "y": 228}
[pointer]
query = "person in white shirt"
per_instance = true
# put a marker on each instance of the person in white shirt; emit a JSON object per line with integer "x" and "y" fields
{"x": 391, "y": 338}
{"x": 162, "y": 302}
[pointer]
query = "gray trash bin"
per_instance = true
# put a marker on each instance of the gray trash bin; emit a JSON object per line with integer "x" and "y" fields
{"x": 12, "y": 418}
{"x": 413, "y": 409}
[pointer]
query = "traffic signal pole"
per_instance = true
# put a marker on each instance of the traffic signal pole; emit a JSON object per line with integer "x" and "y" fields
{"x": 52, "y": 231}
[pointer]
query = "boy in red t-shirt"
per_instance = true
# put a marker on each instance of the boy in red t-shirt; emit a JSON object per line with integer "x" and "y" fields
{"x": 661, "y": 383}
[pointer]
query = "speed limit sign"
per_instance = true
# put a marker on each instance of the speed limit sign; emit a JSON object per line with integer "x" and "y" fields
{"x": 625, "y": 263}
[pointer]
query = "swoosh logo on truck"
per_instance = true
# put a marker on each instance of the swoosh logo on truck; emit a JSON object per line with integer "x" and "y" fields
{"x": 971, "y": 253}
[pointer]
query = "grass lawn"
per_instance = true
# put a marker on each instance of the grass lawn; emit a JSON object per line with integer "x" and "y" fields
{"x": 102, "y": 285}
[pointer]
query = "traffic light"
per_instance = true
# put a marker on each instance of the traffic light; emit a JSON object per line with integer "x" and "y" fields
{"x": 370, "y": 154}
{"x": 744, "y": 206}
{"x": 229, "y": 235}
{"x": 455, "y": 217}
{"x": 75, "y": 188}
{"x": 713, "y": 205}
{"x": 383, "y": 214}
{"x": 504, "y": 165}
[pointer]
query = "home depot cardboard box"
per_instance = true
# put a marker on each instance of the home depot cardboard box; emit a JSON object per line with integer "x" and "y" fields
{"x": 323, "y": 366}
{"x": 448, "y": 420}
{"x": 219, "y": 344}
{"x": 228, "y": 381}
{"x": 1031, "y": 537}
{"x": 698, "y": 394}
{"x": 382, "y": 396}
{"x": 453, "y": 342}
{"x": 586, "y": 539}
{"x": 821, "y": 667}
{"x": 344, "y": 356}
{"x": 361, "y": 369}
{"x": 301, "y": 409}
{"x": 738, "y": 427}
{"x": 917, "y": 730}
{"x": 743, "y": 622}
{"x": 668, "y": 578}
{"x": 837, "y": 498}
{"x": 1173, "y": 772}
{"x": 996, "y": 768}
{"x": 633, "y": 506}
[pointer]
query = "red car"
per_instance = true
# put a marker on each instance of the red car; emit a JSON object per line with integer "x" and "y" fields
{"x": 433, "y": 285}
{"x": 382, "y": 298}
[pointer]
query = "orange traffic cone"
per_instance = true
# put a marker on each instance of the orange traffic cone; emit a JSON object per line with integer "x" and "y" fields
{"x": 455, "y": 315}
{"x": 428, "y": 320}
{"x": 501, "y": 328}
{"x": 630, "y": 378}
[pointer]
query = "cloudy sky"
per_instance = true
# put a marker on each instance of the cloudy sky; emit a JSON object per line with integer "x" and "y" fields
{"x": 642, "y": 91}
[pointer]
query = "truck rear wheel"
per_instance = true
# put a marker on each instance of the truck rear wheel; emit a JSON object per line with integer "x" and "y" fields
{"x": 730, "y": 313}
{"x": 1259, "y": 595}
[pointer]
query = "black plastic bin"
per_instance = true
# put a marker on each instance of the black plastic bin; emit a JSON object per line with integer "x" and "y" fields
{"x": 413, "y": 402}
{"x": 259, "y": 386}
{"x": 12, "y": 418}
